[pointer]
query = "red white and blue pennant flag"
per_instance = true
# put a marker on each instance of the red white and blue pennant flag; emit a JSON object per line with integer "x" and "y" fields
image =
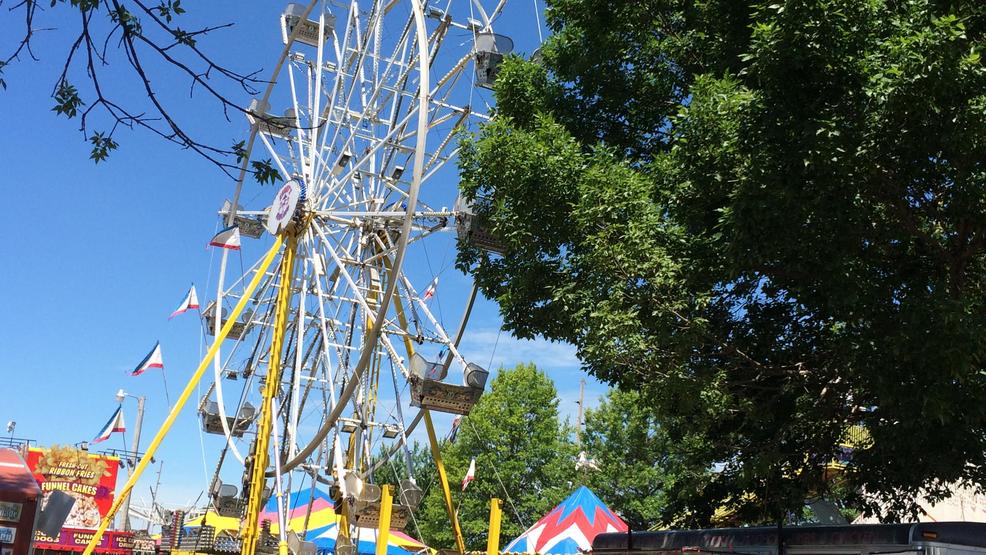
{"x": 115, "y": 424}
{"x": 470, "y": 474}
{"x": 454, "y": 431}
{"x": 228, "y": 238}
{"x": 152, "y": 360}
{"x": 431, "y": 290}
{"x": 190, "y": 302}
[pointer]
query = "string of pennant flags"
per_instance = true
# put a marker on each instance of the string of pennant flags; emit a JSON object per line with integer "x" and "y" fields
{"x": 153, "y": 360}
{"x": 227, "y": 238}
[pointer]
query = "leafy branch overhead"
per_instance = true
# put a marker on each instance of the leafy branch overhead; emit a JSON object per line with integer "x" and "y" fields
{"x": 101, "y": 146}
{"x": 767, "y": 218}
{"x": 148, "y": 40}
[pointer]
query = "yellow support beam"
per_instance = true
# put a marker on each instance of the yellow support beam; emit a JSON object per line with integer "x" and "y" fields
{"x": 383, "y": 529}
{"x": 344, "y": 524}
{"x": 493, "y": 540}
{"x": 183, "y": 398}
{"x": 436, "y": 453}
{"x": 261, "y": 447}
{"x": 401, "y": 317}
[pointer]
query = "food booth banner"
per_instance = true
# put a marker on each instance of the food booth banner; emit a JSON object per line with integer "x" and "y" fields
{"x": 89, "y": 478}
{"x": 75, "y": 539}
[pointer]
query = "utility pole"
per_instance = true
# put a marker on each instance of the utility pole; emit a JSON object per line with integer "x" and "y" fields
{"x": 157, "y": 486}
{"x": 578, "y": 422}
{"x": 121, "y": 395}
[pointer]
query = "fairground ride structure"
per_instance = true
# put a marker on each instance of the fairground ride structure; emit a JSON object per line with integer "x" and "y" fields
{"x": 328, "y": 349}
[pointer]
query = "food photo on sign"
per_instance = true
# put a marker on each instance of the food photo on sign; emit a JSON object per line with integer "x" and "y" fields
{"x": 89, "y": 479}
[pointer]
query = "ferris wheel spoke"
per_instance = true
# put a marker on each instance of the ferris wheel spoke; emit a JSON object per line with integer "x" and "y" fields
{"x": 495, "y": 13}
{"x": 450, "y": 76}
{"x": 325, "y": 340}
{"x": 446, "y": 341}
{"x": 294, "y": 406}
{"x": 276, "y": 157}
{"x": 358, "y": 164}
{"x": 388, "y": 251}
{"x": 301, "y": 398}
{"x": 240, "y": 281}
{"x": 351, "y": 284}
{"x": 398, "y": 445}
{"x": 375, "y": 100}
{"x": 357, "y": 77}
{"x": 337, "y": 84}
{"x": 297, "y": 112}
{"x": 358, "y": 294}
{"x": 315, "y": 94}
{"x": 432, "y": 169}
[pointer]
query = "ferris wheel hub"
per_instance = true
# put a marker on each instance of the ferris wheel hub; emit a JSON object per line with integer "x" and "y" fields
{"x": 286, "y": 209}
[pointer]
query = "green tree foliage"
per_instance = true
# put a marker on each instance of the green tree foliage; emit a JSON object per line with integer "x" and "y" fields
{"x": 523, "y": 455}
{"x": 623, "y": 438}
{"x": 768, "y": 218}
{"x": 395, "y": 468}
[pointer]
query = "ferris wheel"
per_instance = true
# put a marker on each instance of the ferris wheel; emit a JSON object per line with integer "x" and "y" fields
{"x": 331, "y": 350}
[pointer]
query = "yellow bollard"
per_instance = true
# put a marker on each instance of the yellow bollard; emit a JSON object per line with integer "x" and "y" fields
{"x": 436, "y": 454}
{"x": 383, "y": 530}
{"x": 493, "y": 541}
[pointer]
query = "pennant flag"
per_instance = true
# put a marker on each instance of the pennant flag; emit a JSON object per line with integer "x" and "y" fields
{"x": 152, "y": 360}
{"x": 115, "y": 424}
{"x": 470, "y": 475}
{"x": 190, "y": 302}
{"x": 455, "y": 429}
{"x": 430, "y": 291}
{"x": 228, "y": 238}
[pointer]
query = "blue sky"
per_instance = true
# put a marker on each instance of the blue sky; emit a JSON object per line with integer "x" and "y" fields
{"x": 95, "y": 257}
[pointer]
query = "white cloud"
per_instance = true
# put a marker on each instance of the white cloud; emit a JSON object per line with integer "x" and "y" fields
{"x": 486, "y": 344}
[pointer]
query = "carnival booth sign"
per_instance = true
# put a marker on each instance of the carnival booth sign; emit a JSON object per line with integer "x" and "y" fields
{"x": 89, "y": 478}
{"x": 72, "y": 539}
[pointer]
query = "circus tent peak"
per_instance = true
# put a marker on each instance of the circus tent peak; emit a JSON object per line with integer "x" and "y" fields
{"x": 570, "y": 527}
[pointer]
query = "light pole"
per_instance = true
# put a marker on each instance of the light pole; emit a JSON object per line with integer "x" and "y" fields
{"x": 121, "y": 396}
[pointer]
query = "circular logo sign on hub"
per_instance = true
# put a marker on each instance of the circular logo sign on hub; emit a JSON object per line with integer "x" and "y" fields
{"x": 283, "y": 207}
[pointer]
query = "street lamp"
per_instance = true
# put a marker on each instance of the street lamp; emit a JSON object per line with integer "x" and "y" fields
{"x": 121, "y": 396}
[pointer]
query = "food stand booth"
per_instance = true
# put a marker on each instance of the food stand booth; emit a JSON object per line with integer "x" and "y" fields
{"x": 20, "y": 504}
